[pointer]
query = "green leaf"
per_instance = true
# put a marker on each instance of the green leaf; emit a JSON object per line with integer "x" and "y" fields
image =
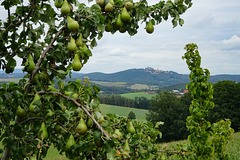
{"x": 11, "y": 65}
{"x": 94, "y": 42}
{"x": 95, "y": 102}
{"x": 111, "y": 154}
{"x": 181, "y": 21}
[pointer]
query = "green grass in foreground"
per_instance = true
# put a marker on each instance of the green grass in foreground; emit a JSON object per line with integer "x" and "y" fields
{"x": 123, "y": 111}
{"x": 138, "y": 94}
{"x": 232, "y": 148}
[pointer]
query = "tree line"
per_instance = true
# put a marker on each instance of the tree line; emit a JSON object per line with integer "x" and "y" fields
{"x": 173, "y": 111}
{"x": 118, "y": 100}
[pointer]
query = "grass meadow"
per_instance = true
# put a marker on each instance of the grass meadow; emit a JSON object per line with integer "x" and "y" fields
{"x": 123, "y": 111}
{"x": 138, "y": 94}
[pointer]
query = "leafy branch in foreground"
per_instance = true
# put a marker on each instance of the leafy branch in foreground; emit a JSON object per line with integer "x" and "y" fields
{"x": 206, "y": 140}
{"x": 52, "y": 41}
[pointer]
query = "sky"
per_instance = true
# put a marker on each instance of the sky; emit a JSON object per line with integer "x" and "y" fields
{"x": 214, "y": 25}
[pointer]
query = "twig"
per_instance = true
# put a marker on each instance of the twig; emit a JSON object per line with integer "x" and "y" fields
{"x": 5, "y": 154}
{"x": 25, "y": 17}
{"x": 32, "y": 118}
{"x": 173, "y": 152}
{"x": 9, "y": 18}
{"x": 85, "y": 110}
{"x": 41, "y": 59}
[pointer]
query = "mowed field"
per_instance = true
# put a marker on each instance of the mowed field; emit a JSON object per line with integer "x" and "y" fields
{"x": 135, "y": 86}
{"x": 9, "y": 80}
{"x": 111, "y": 84}
{"x": 123, "y": 111}
{"x": 139, "y": 94}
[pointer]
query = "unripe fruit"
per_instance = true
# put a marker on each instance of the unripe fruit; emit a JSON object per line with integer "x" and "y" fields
{"x": 58, "y": 3}
{"x": 111, "y": 2}
{"x": 90, "y": 122}
{"x": 30, "y": 63}
{"x": 130, "y": 128}
{"x": 82, "y": 127}
{"x": 149, "y": 27}
{"x": 72, "y": 25}
{"x": 128, "y": 5}
{"x": 65, "y": 9}
{"x": 76, "y": 65}
{"x": 79, "y": 41}
{"x": 72, "y": 45}
{"x": 125, "y": 16}
{"x": 108, "y": 7}
{"x": 119, "y": 22}
{"x": 70, "y": 142}
{"x": 100, "y": 2}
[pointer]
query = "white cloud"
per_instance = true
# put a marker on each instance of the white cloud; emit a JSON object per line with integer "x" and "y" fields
{"x": 233, "y": 43}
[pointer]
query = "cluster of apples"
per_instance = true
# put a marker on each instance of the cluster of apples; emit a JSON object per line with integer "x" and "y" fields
{"x": 78, "y": 46}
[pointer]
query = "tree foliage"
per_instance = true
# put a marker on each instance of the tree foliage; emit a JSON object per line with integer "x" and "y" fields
{"x": 202, "y": 146}
{"x": 118, "y": 100}
{"x": 226, "y": 97}
{"x": 171, "y": 110}
{"x": 131, "y": 115}
{"x": 52, "y": 41}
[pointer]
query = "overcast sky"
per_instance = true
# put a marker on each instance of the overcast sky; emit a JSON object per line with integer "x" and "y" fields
{"x": 214, "y": 25}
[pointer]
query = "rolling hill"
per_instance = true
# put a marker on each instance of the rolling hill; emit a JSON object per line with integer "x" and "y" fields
{"x": 150, "y": 76}
{"x": 147, "y": 76}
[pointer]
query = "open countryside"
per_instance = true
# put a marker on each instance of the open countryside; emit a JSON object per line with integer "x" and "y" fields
{"x": 123, "y": 111}
{"x": 233, "y": 147}
{"x": 133, "y": 95}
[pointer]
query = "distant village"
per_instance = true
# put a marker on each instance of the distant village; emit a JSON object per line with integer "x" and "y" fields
{"x": 156, "y": 71}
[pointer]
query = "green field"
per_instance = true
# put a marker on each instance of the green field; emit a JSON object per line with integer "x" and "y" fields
{"x": 123, "y": 111}
{"x": 138, "y": 94}
{"x": 9, "y": 80}
{"x": 110, "y": 84}
{"x": 136, "y": 86}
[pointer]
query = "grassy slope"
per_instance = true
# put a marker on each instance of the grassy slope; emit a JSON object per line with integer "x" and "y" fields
{"x": 232, "y": 148}
{"x": 138, "y": 94}
{"x": 111, "y": 84}
{"x": 139, "y": 86}
{"x": 123, "y": 111}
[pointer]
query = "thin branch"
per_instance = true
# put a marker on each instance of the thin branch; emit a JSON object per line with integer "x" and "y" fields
{"x": 85, "y": 110}
{"x": 9, "y": 18}
{"x": 173, "y": 152}
{"x": 34, "y": 72}
{"x": 5, "y": 155}
{"x": 32, "y": 118}
{"x": 26, "y": 17}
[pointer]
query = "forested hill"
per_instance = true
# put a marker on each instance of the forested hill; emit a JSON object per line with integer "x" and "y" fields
{"x": 148, "y": 76}
{"x": 143, "y": 76}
